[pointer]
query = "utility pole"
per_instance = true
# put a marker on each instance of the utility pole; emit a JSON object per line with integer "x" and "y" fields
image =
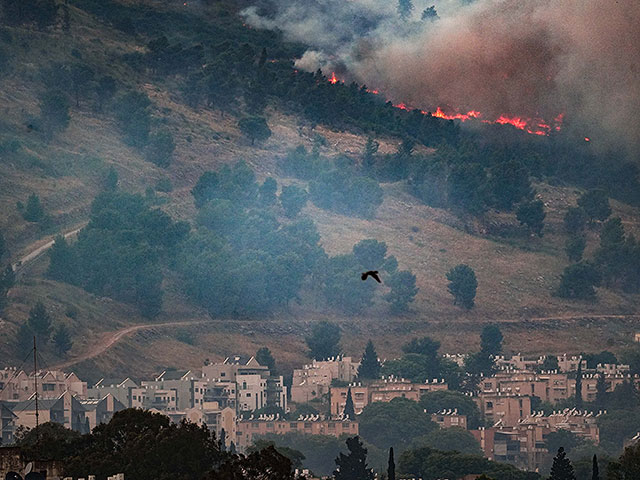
{"x": 35, "y": 376}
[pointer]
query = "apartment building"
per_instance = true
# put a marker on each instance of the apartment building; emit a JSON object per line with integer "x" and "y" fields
{"x": 100, "y": 411}
{"x": 312, "y": 381}
{"x": 383, "y": 390}
{"x": 524, "y": 444}
{"x": 507, "y": 409}
{"x": 118, "y": 387}
{"x": 189, "y": 386}
{"x": 449, "y": 419}
{"x": 17, "y": 385}
{"x": 248, "y": 430}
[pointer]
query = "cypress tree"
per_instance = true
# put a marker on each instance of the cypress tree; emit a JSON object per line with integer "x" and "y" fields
{"x": 354, "y": 465}
{"x": 562, "y": 468}
{"x": 601, "y": 391}
{"x": 349, "y": 410}
{"x": 369, "y": 366}
{"x": 595, "y": 475}
{"x": 578, "y": 402}
{"x": 391, "y": 469}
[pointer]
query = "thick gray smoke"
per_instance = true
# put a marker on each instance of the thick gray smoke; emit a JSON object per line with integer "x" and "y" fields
{"x": 528, "y": 58}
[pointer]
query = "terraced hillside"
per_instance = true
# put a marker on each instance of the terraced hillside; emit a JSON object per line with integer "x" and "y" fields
{"x": 516, "y": 275}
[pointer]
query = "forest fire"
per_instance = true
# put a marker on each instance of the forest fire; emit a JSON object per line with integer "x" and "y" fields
{"x": 533, "y": 126}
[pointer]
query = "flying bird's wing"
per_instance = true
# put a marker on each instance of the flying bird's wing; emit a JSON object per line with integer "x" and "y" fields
{"x": 364, "y": 276}
{"x": 376, "y": 276}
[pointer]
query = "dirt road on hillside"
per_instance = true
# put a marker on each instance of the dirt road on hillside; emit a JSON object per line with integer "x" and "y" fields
{"x": 109, "y": 339}
{"x": 36, "y": 252}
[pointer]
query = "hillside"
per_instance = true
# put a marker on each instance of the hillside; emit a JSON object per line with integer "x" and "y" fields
{"x": 516, "y": 275}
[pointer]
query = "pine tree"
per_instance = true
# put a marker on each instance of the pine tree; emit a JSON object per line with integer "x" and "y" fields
{"x": 354, "y": 465}
{"x": 369, "y": 156}
{"x": 601, "y": 391}
{"x": 369, "y": 366}
{"x": 264, "y": 358}
{"x": 562, "y": 468}
{"x": 62, "y": 339}
{"x": 349, "y": 409}
{"x": 595, "y": 475}
{"x": 33, "y": 212}
{"x": 40, "y": 322}
{"x": 391, "y": 469}
{"x": 578, "y": 402}
{"x": 405, "y": 7}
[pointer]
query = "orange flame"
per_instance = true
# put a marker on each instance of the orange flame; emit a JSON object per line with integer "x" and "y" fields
{"x": 456, "y": 116}
{"x": 534, "y": 126}
{"x": 587, "y": 139}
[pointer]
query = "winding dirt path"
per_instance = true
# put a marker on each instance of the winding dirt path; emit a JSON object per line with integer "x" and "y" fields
{"x": 109, "y": 339}
{"x": 38, "y": 251}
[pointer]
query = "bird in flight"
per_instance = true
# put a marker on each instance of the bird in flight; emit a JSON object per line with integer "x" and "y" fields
{"x": 371, "y": 273}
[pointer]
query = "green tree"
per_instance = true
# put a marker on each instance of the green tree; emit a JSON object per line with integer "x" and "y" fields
{"x": 509, "y": 184}
{"x": 532, "y": 215}
{"x": 324, "y": 341}
{"x": 47, "y": 441}
{"x": 81, "y": 80}
{"x": 403, "y": 290}
{"x": 349, "y": 409}
{"x": 40, "y": 322}
{"x": 579, "y": 281}
{"x": 405, "y": 7}
{"x": 370, "y": 365}
{"x": 293, "y": 199}
{"x": 264, "y": 358}
{"x": 467, "y": 187}
{"x": 111, "y": 180}
{"x": 34, "y": 211}
{"x": 3, "y": 246}
{"x": 423, "y": 346}
{"x": 595, "y": 471}
{"x": 574, "y": 247}
{"x": 578, "y": 399}
{"x": 562, "y": 468}
{"x": 62, "y": 339}
{"x": 132, "y": 112}
{"x": 106, "y": 87}
{"x": 434, "y": 402}
{"x": 369, "y": 154}
{"x": 575, "y": 220}
{"x": 601, "y": 391}
{"x": 267, "y": 191}
{"x": 63, "y": 262}
{"x": 462, "y": 285}
{"x": 391, "y": 468}
{"x": 595, "y": 204}
{"x": 7, "y": 281}
{"x": 430, "y": 13}
{"x": 54, "y": 111}
{"x": 451, "y": 439}
{"x": 354, "y": 465}
{"x": 255, "y": 128}
{"x": 396, "y": 423}
{"x": 491, "y": 340}
{"x": 24, "y": 339}
{"x": 160, "y": 148}
{"x": 550, "y": 363}
{"x": 296, "y": 457}
{"x": 370, "y": 253}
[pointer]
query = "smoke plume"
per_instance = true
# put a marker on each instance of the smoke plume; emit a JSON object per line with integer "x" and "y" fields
{"x": 527, "y": 58}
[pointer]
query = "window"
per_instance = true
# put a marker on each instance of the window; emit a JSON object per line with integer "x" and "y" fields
{"x": 293, "y": 425}
{"x": 489, "y": 404}
{"x": 255, "y": 425}
{"x": 222, "y": 374}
